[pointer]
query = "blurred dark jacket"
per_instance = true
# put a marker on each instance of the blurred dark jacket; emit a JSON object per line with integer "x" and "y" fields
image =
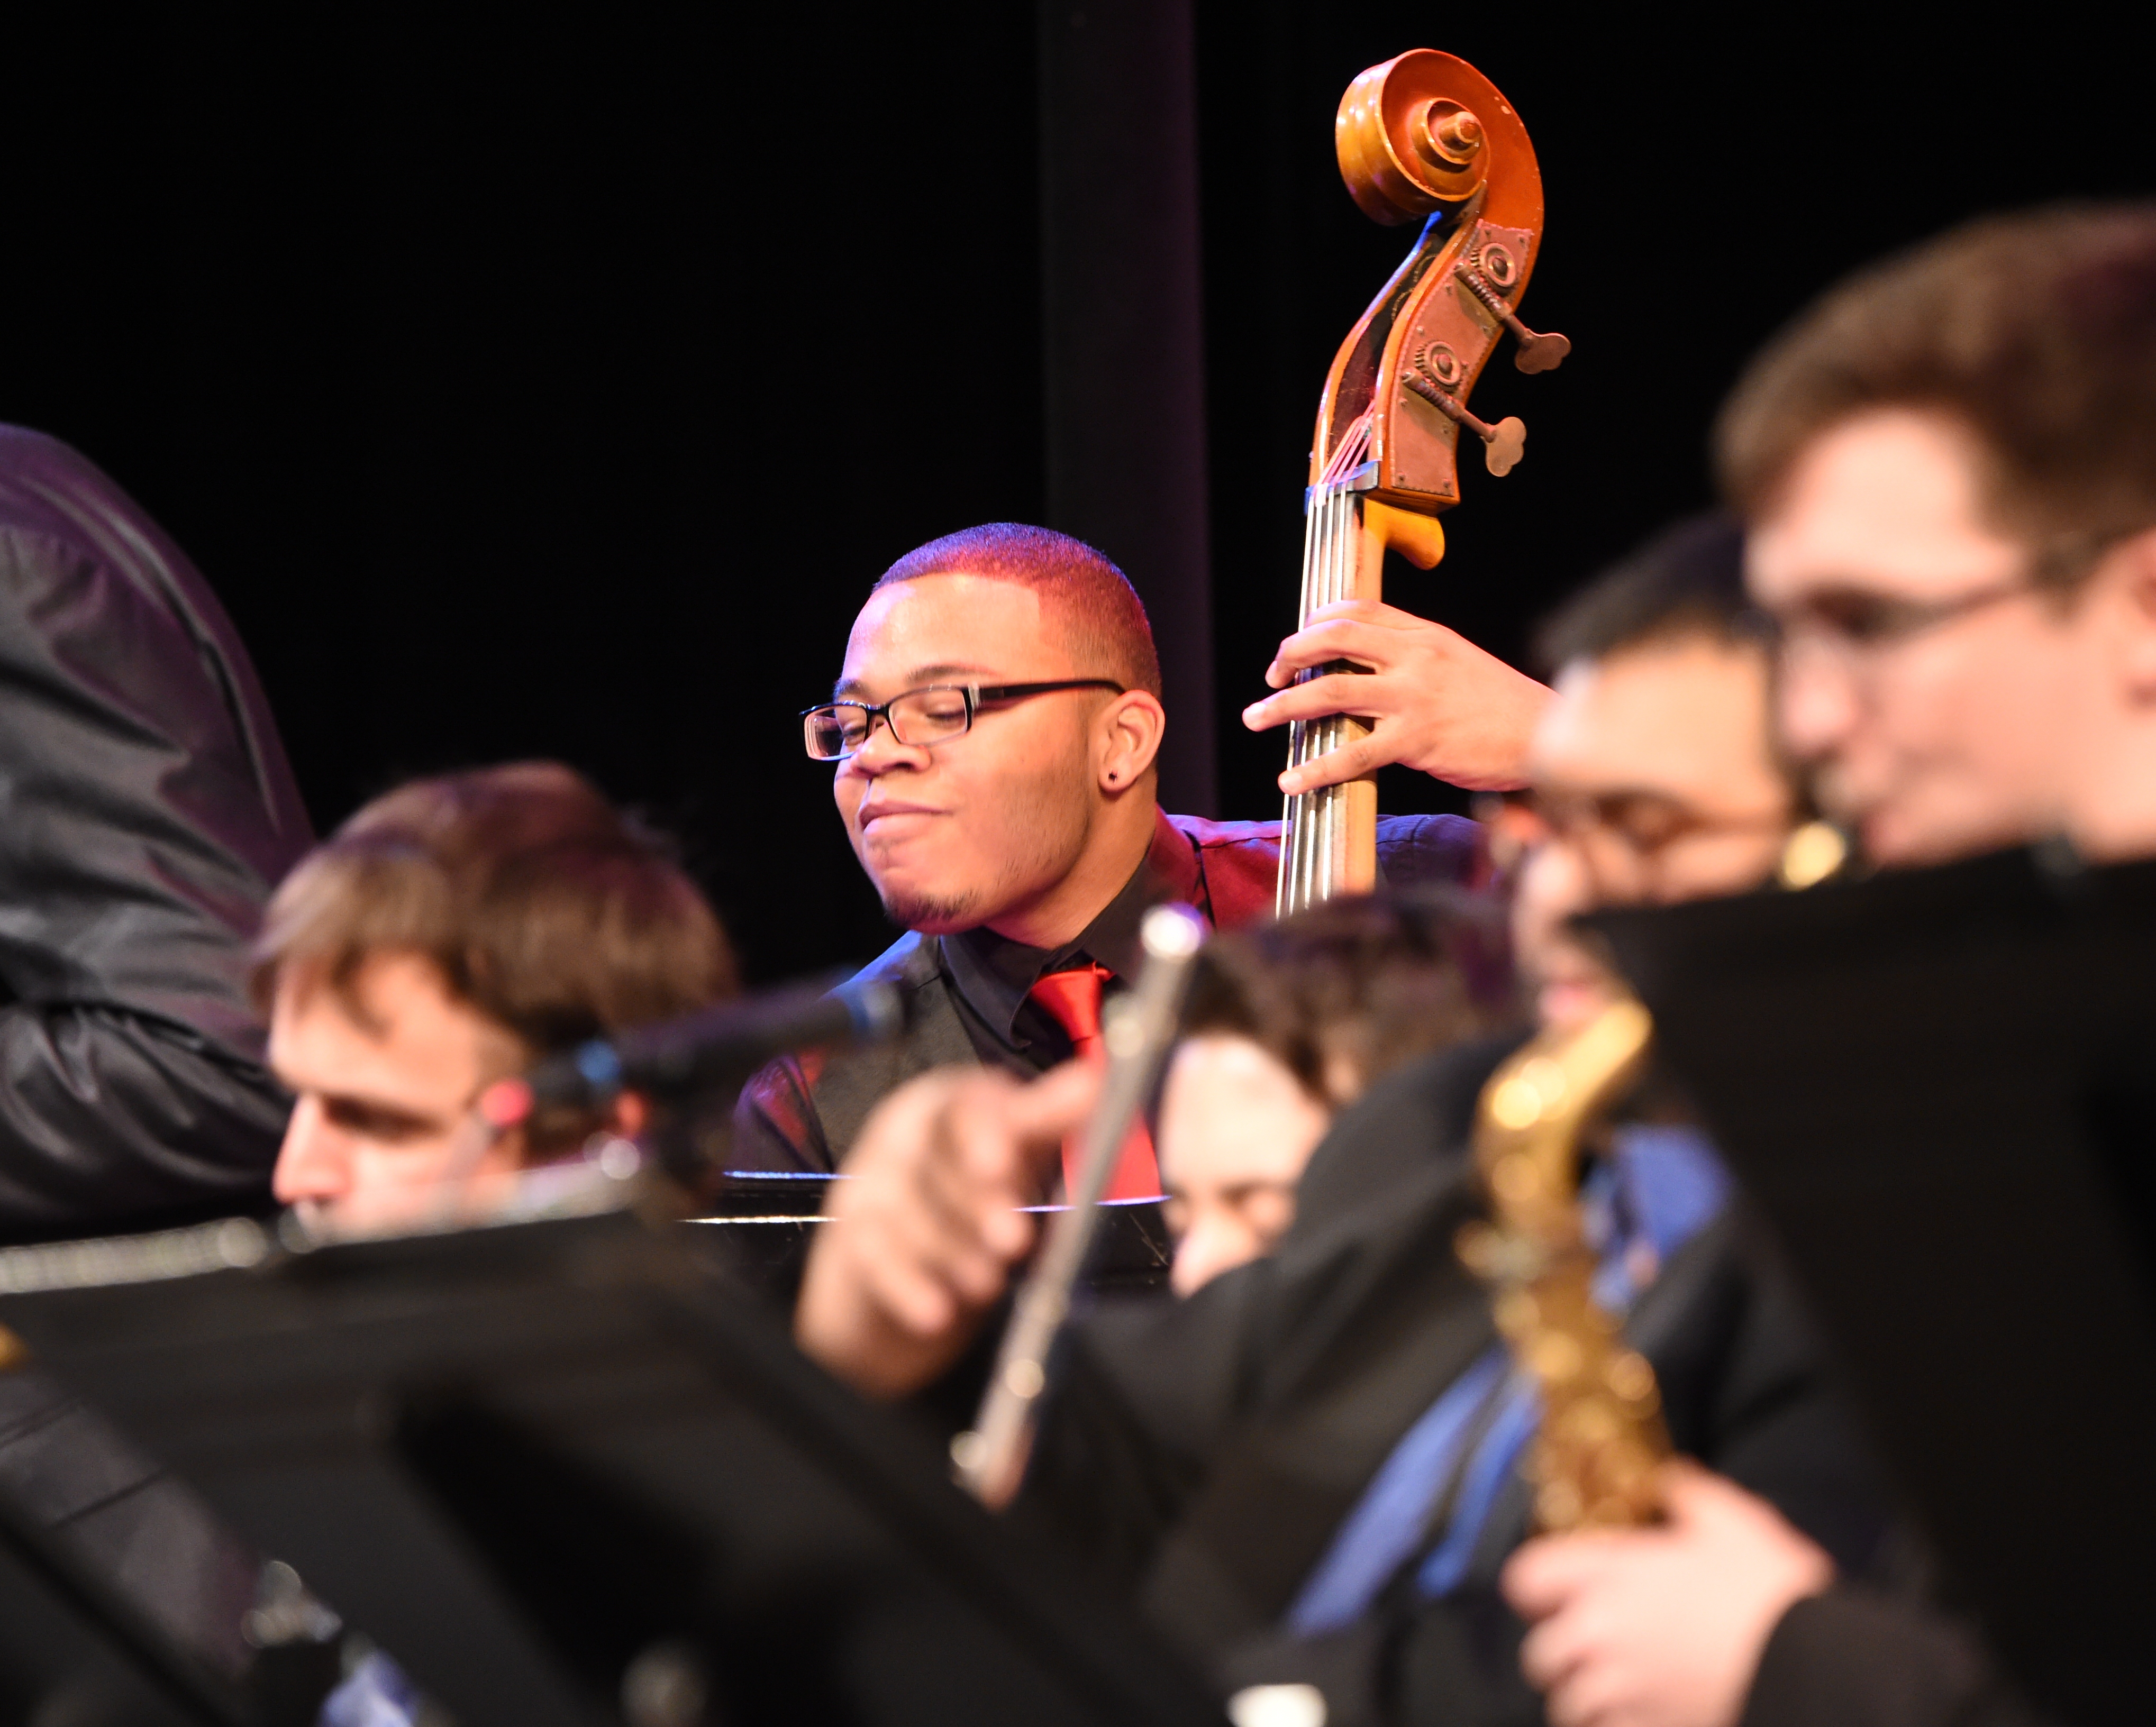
{"x": 1857, "y": 1656}
{"x": 147, "y": 810}
{"x": 801, "y": 1113}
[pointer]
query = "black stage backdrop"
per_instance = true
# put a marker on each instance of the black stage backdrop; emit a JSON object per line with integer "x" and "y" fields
{"x": 556, "y": 386}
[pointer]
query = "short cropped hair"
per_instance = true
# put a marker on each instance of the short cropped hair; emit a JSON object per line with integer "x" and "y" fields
{"x": 1107, "y": 630}
{"x": 542, "y": 906}
{"x": 2036, "y": 332}
{"x": 1370, "y": 981}
{"x": 1687, "y": 580}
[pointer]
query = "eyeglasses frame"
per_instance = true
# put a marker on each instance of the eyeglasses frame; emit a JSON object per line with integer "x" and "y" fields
{"x": 1910, "y": 620}
{"x": 976, "y": 696}
{"x": 2049, "y": 571}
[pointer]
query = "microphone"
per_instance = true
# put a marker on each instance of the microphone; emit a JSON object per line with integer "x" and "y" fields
{"x": 702, "y": 1051}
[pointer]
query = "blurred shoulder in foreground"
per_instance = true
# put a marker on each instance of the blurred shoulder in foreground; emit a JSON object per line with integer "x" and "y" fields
{"x": 148, "y": 811}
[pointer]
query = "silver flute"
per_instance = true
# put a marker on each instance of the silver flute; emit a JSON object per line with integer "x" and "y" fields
{"x": 1137, "y": 1028}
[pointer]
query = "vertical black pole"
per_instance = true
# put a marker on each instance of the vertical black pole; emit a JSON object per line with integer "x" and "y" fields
{"x": 1126, "y": 379}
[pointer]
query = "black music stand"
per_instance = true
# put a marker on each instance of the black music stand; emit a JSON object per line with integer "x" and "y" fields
{"x": 1940, "y": 1086}
{"x": 73, "y": 1648}
{"x": 539, "y": 1461}
{"x": 124, "y": 1600}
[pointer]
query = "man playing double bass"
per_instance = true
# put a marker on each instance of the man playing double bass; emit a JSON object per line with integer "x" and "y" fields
{"x": 993, "y": 733}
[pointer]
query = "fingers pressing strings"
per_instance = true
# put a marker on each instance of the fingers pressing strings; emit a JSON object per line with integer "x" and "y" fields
{"x": 1435, "y": 702}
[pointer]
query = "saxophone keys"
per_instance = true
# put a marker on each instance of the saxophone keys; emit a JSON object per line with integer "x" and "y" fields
{"x": 1632, "y": 1379}
{"x": 1517, "y": 1314}
{"x": 1559, "y": 1506}
{"x": 1480, "y": 1251}
{"x": 1555, "y": 1357}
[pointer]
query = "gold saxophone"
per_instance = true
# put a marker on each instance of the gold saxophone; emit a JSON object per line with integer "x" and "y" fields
{"x": 1594, "y": 1460}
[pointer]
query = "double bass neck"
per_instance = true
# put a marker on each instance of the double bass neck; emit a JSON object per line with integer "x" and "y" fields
{"x": 1424, "y": 136}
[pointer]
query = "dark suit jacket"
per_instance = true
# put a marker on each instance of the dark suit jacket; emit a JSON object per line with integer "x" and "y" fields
{"x": 801, "y": 1113}
{"x": 1859, "y": 1658}
{"x": 145, "y": 812}
{"x": 1203, "y": 1454}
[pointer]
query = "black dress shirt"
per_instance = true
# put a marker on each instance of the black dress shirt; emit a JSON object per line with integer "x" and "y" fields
{"x": 992, "y": 977}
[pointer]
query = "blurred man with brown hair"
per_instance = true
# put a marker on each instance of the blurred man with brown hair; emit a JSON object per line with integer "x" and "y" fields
{"x": 1948, "y": 466}
{"x": 451, "y": 934}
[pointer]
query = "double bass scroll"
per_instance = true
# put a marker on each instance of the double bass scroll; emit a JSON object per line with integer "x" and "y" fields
{"x": 1422, "y": 135}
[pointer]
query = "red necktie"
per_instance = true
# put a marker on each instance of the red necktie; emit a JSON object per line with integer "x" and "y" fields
{"x": 1073, "y": 998}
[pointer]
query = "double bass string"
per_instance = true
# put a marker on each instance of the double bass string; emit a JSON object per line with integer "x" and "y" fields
{"x": 1289, "y": 886}
{"x": 1305, "y": 835}
{"x": 1312, "y": 821}
{"x": 1477, "y": 191}
{"x": 1302, "y": 830}
{"x": 1340, "y": 513}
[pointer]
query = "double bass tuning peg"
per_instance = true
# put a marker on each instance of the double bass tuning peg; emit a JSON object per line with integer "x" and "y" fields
{"x": 1537, "y": 351}
{"x": 1503, "y": 444}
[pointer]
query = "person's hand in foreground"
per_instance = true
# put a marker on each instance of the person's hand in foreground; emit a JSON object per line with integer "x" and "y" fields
{"x": 1440, "y": 703}
{"x": 918, "y": 1244}
{"x": 1662, "y": 1626}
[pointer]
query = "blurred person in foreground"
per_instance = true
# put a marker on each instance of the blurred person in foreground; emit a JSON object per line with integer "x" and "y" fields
{"x": 150, "y": 810}
{"x": 1307, "y": 1472}
{"x": 1949, "y": 467}
{"x": 1289, "y": 1023}
{"x": 451, "y": 934}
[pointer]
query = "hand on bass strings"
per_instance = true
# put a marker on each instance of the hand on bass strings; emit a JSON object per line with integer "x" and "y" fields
{"x": 1662, "y": 1626}
{"x": 1440, "y": 703}
{"x": 919, "y": 1241}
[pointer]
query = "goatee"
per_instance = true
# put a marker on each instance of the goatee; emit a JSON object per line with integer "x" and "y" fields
{"x": 933, "y": 916}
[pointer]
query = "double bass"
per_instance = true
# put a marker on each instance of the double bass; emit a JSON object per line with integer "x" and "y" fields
{"x": 1422, "y": 135}
{"x": 1425, "y": 135}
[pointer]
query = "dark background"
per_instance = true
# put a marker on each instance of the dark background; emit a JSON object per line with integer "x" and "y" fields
{"x": 557, "y": 386}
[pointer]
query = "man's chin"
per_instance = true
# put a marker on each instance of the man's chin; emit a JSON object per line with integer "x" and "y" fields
{"x": 416, "y": 1208}
{"x": 929, "y": 914}
{"x": 1887, "y": 846}
{"x": 1896, "y": 838}
{"x": 362, "y": 1219}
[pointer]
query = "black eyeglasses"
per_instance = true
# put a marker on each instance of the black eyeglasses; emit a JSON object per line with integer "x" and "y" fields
{"x": 918, "y": 717}
{"x": 1854, "y": 623}
{"x": 1643, "y": 824}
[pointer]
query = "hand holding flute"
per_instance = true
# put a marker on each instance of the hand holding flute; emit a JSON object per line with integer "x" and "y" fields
{"x": 919, "y": 1244}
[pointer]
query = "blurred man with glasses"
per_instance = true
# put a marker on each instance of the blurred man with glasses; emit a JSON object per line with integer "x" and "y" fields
{"x": 993, "y": 735}
{"x": 1655, "y": 770}
{"x": 1948, "y": 466}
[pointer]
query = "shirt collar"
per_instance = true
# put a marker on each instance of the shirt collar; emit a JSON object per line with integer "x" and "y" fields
{"x": 995, "y": 973}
